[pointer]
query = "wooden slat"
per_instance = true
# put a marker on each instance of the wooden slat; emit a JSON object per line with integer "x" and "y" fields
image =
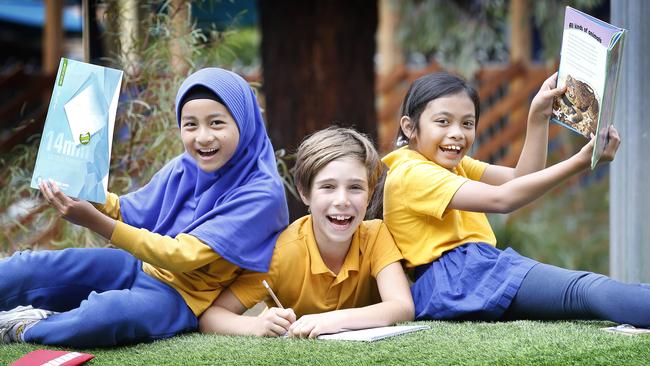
{"x": 491, "y": 84}
{"x": 503, "y": 107}
{"x": 384, "y": 84}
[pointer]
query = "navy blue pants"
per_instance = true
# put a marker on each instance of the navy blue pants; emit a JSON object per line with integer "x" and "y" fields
{"x": 103, "y": 296}
{"x": 549, "y": 292}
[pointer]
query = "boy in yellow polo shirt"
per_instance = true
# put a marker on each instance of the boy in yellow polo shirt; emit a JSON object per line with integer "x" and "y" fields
{"x": 330, "y": 269}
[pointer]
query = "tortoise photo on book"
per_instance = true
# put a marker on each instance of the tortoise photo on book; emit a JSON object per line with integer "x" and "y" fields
{"x": 578, "y": 106}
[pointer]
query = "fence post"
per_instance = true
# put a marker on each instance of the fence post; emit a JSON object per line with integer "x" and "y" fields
{"x": 630, "y": 172}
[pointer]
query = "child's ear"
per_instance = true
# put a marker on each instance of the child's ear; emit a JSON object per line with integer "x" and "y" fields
{"x": 406, "y": 124}
{"x": 303, "y": 197}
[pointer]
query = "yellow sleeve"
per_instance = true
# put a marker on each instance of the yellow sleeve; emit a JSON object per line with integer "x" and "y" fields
{"x": 180, "y": 254}
{"x": 111, "y": 208}
{"x": 473, "y": 168}
{"x": 248, "y": 288}
{"x": 428, "y": 188}
{"x": 384, "y": 250}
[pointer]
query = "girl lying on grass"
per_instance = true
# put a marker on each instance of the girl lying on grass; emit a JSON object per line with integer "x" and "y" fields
{"x": 214, "y": 209}
{"x": 435, "y": 200}
{"x": 330, "y": 269}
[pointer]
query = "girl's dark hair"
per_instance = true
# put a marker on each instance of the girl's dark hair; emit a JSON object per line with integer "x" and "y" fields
{"x": 430, "y": 87}
{"x": 420, "y": 93}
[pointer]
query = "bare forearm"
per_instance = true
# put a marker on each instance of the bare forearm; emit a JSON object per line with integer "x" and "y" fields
{"x": 377, "y": 315}
{"x": 523, "y": 190}
{"x": 102, "y": 225}
{"x": 221, "y": 321}
{"x": 534, "y": 153}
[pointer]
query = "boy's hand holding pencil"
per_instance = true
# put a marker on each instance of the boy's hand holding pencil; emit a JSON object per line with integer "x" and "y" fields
{"x": 276, "y": 321}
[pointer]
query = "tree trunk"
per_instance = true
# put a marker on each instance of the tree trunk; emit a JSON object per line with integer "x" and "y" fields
{"x": 318, "y": 66}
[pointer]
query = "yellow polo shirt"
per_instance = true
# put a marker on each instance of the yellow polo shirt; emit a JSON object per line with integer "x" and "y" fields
{"x": 302, "y": 281}
{"x": 185, "y": 263}
{"x": 416, "y": 195}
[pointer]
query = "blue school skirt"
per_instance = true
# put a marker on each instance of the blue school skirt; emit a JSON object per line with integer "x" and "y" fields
{"x": 474, "y": 281}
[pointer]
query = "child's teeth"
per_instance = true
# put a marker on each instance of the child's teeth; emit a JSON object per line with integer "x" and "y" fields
{"x": 452, "y": 147}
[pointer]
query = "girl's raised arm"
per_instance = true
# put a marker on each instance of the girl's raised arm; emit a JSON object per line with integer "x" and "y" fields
{"x": 533, "y": 154}
{"x": 482, "y": 197}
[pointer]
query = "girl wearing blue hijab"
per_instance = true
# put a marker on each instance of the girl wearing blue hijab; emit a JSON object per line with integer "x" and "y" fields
{"x": 209, "y": 213}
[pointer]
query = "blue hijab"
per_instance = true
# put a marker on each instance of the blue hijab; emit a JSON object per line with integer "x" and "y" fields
{"x": 238, "y": 210}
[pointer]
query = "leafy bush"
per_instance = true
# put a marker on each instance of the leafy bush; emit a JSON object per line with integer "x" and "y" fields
{"x": 568, "y": 228}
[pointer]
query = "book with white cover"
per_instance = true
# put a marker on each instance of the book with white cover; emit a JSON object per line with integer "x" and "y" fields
{"x": 590, "y": 63}
{"x": 373, "y": 334}
{"x": 75, "y": 148}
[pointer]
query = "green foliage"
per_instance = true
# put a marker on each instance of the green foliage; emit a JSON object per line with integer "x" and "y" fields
{"x": 458, "y": 35}
{"x": 239, "y": 49}
{"x": 463, "y": 35}
{"x": 569, "y": 229}
{"x": 446, "y": 343}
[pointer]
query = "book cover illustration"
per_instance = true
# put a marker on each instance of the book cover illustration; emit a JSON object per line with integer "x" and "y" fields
{"x": 76, "y": 142}
{"x": 589, "y": 67}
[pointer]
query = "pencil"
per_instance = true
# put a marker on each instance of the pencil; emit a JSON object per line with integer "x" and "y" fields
{"x": 275, "y": 298}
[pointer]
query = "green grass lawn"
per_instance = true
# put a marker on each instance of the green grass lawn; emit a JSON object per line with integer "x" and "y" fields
{"x": 505, "y": 343}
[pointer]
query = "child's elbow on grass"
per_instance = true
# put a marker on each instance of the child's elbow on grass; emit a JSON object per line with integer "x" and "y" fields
{"x": 408, "y": 311}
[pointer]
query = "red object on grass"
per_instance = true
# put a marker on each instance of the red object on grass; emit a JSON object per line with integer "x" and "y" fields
{"x": 53, "y": 358}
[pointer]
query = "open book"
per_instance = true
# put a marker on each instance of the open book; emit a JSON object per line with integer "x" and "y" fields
{"x": 75, "y": 148}
{"x": 590, "y": 61}
{"x": 373, "y": 334}
{"x": 627, "y": 329}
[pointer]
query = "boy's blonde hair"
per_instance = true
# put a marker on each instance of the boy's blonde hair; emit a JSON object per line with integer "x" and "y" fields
{"x": 324, "y": 146}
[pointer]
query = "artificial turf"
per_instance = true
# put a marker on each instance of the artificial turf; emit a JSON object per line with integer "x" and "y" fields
{"x": 502, "y": 343}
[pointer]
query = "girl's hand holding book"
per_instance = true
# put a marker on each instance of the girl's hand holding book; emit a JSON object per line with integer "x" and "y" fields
{"x": 611, "y": 147}
{"x": 542, "y": 104}
{"x": 78, "y": 212}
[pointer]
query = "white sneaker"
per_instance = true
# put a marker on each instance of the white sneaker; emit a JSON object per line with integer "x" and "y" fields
{"x": 14, "y": 322}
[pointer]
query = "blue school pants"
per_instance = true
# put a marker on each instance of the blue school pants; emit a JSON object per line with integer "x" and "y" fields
{"x": 550, "y": 292}
{"x": 103, "y": 296}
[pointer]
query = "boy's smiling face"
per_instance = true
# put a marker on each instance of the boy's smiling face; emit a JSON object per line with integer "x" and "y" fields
{"x": 338, "y": 199}
{"x": 446, "y": 130}
{"x": 209, "y": 133}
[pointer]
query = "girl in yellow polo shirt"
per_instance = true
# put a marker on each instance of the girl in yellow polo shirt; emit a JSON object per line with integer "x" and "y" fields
{"x": 435, "y": 200}
{"x": 330, "y": 269}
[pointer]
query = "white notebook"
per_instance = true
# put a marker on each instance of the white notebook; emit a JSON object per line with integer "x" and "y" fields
{"x": 373, "y": 334}
{"x": 626, "y": 329}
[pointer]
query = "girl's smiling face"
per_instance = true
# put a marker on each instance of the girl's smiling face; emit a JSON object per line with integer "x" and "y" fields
{"x": 209, "y": 133}
{"x": 446, "y": 129}
{"x": 338, "y": 199}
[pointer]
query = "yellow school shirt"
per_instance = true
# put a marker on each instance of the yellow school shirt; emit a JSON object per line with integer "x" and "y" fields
{"x": 185, "y": 263}
{"x": 416, "y": 195}
{"x": 302, "y": 281}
